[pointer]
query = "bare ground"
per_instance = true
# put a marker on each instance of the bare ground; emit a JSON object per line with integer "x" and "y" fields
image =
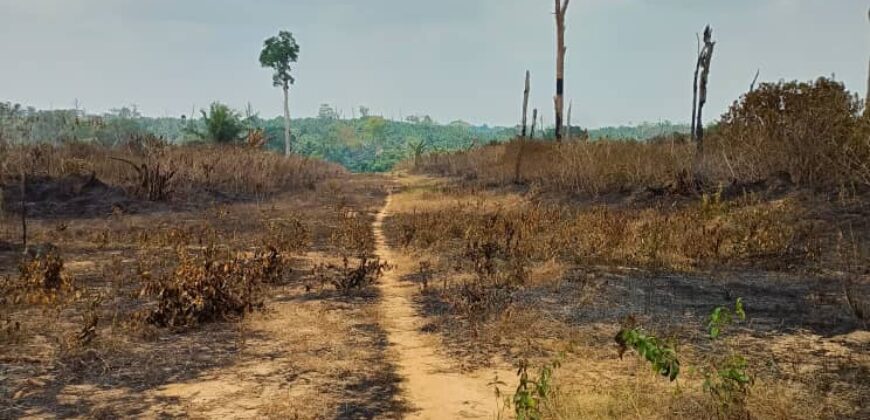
{"x": 435, "y": 385}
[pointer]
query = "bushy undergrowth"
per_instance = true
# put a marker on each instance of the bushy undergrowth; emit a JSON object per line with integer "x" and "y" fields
{"x": 813, "y": 132}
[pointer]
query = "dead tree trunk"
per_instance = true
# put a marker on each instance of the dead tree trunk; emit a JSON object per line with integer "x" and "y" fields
{"x": 705, "y": 59}
{"x": 560, "y": 64}
{"x": 521, "y": 146}
{"x": 695, "y": 86}
{"x": 754, "y": 81}
{"x": 24, "y": 211}
{"x": 526, "y": 102}
{"x": 534, "y": 122}
{"x": 568, "y": 121}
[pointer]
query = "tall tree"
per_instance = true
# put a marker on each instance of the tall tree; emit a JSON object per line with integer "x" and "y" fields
{"x": 278, "y": 52}
{"x": 560, "y": 64}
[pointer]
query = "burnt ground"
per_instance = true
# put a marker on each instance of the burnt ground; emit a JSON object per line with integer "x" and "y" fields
{"x": 805, "y": 334}
{"x": 310, "y": 353}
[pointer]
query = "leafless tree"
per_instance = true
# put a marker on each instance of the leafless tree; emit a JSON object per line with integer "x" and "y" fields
{"x": 560, "y": 64}
{"x": 568, "y": 120}
{"x": 705, "y": 56}
{"x": 754, "y": 80}
{"x": 534, "y": 123}
{"x": 526, "y": 102}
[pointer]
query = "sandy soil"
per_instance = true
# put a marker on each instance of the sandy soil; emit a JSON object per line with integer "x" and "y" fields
{"x": 433, "y": 384}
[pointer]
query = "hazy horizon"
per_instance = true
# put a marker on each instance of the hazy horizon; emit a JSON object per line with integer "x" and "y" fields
{"x": 628, "y": 61}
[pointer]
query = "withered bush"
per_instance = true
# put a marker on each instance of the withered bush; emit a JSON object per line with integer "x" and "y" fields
{"x": 152, "y": 182}
{"x": 40, "y": 280}
{"x": 812, "y": 131}
{"x": 353, "y": 236}
{"x": 348, "y": 276}
{"x": 210, "y": 287}
{"x": 289, "y": 235}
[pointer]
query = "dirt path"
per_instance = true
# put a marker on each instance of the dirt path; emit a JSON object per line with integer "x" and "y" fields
{"x": 433, "y": 384}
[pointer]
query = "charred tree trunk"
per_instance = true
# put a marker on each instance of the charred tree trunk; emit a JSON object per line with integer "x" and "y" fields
{"x": 704, "y": 60}
{"x": 695, "y": 87}
{"x": 526, "y": 103}
{"x": 560, "y": 65}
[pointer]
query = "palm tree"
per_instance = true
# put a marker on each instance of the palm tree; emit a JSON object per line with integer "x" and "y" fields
{"x": 223, "y": 125}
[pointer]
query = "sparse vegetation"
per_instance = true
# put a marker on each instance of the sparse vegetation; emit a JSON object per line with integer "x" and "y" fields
{"x": 180, "y": 267}
{"x": 160, "y": 282}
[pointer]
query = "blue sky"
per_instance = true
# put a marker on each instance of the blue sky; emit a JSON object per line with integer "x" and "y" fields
{"x": 628, "y": 60}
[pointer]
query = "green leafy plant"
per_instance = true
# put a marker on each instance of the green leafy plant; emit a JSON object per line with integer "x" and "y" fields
{"x": 223, "y": 125}
{"x": 722, "y": 316}
{"x": 726, "y": 378}
{"x": 662, "y": 356}
{"x": 532, "y": 392}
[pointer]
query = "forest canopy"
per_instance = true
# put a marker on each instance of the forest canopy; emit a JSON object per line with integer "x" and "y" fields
{"x": 364, "y": 143}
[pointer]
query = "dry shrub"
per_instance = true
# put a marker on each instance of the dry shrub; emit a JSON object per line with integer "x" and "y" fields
{"x": 90, "y": 319}
{"x": 288, "y": 235}
{"x": 353, "y": 235}
{"x": 153, "y": 183}
{"x": 812, "y": 131}
{"x": 10, "y": 331}
{"x": 40, "y": 280}
{"x": 211, "y": 287}
{"x": 348, "y": 277}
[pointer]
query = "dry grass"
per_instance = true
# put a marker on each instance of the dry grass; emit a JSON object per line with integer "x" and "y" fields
{"x": 525, "y": 277}
{"x": 224, "y": 169}
{"x": 592, "y": 168}
{"x": 744, "y": 232}
{"x": 812, "y": 134}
